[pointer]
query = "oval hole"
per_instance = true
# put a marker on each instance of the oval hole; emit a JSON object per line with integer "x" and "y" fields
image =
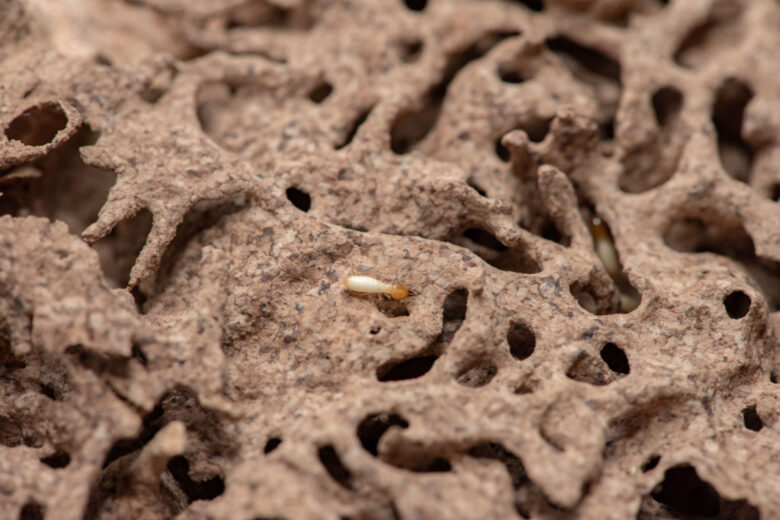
{"x": 37, "y": 125}
{"x": 407, "y": 369}
{"x": 300, "y": 199}
{"x": 737, "y": 304}
{"x": 522, "y": 341}
{"x": 615, "y": 358}
{"x": 667, "y": 102}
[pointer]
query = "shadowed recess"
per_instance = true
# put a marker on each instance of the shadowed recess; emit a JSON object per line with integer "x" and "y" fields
{"x": 353, "y": 128}
{"x": 527, "y": 496}
{"x": 119, "y": 249}
{"x": 686, "y": 495}
{"x": 332, "y": 463}
{"x": 737, "y": 304}
{"x": 32, "y": 510}
{"x": 533, "y": 5}
{"x": 411, "y": 126}
{"x": 407, "y": 369}
{"x": 650, "y": 463}
{"x": 49, "y": 186}
{"x": 667, "y": 103}
{"x": 371, "y": 429}
{"x": 263, "y": 13}
{"x": 37, "y": 125}
{"x": 320, "y": 92}
{"x": 727, "y": 237}
{"x": 272, "y": 444}
{"x": 521, "y": 339}
{"x": 703, "y": 38}
{"x": 586, "y": 58}
{"x": 415, "y": 5}
{"x": 57, "y": 460}
{"x": 485, "y": 245}
{"x": 208, "y": 489}
{"x": 615, "y": 358}
{"x": 728, "y": 111}
{"x": 299, "y": 198}
{"x": 751, "y": 419}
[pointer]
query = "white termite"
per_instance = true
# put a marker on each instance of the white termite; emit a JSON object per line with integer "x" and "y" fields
{"x": 368, "y": 285}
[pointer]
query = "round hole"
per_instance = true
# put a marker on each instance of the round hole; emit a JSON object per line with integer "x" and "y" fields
{"x": 615, "y": 358}
{"x": 522, "y": 341}
{"x": 300, "y": 199}
{"x": 320, "y": 92}
{"x": 416, "y": 5}
{"x": 737, "y": 304}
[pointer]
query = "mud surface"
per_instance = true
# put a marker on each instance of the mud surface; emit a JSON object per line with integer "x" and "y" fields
{"x": 581, "y": 195}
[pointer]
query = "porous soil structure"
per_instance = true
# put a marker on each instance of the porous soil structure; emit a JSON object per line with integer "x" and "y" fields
{"x": 581, "y": 196}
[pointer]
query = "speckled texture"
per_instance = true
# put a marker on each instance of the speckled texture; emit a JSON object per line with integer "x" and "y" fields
{"x": 185, "y": 185}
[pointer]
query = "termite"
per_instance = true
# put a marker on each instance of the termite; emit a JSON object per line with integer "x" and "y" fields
{"x": 367, "y": 285}
{"x": 605, "y": 248}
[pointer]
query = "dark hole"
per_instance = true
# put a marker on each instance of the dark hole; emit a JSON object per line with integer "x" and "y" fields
{"x": 152, "y": 95}
{"x": 537, "y": 129}
{"x": 533, "y": 5}
{"x": 333, "y": 465}
{"x": 477, "y": 375}
{"x": 195, "y": 489}
{"x": 607, "y": 130}
{"x": 751, "y": 418}
{"x": 57, "y": 460}
{"x": 392, "y": 308}
{"x": 551, "y": 232}
{"x": 320, "y": 92}
{"x": 484, "y": 238}
{"x": 411, "y": 126}
{"x": 32, "y": 510}
{"x": 272, "y": 444}
{"x": 151, "y": 425}
{"x": 119, "y": 249}
{"x": 300, "y": 199}
{"x": 509, "y": 73}
{"x": 588, "y": 58}
{"x": 615, "y": 358}
{"x": 721, "y": 15}
{"x": 49, "y": 391}
{"x": 667, "y": 102}
{"x": 37, "y": 125}
{"x": 773, "y": 378}
{"x": 513, "y": 464}
{"x": 776, "y": 192}
{"x": 727, "y": 113}
{"x": 502, "y": 152}
{"x": 361, "y": 118}
{"x": 138, "y": 354}
{"x": 416, "y": 5}
{"x": 371, "y": 429}
{"x": 737, "y": 304}
{"x": 407, "y": 369}
{"x": 685, "y": 493}
{"x": 516, "y": 259}
{"x": 438, "y": 464}
{"x": 375, "y": 330}
{"x": 521, "y": 339}
{"x": 482, "y": 192}
{"x": 410, "y": 50}
{"x": 455, "y": 306}
{"x": 651, "y": 462}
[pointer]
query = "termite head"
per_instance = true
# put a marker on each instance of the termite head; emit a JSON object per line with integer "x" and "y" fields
{"x": 399, "y": 292}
